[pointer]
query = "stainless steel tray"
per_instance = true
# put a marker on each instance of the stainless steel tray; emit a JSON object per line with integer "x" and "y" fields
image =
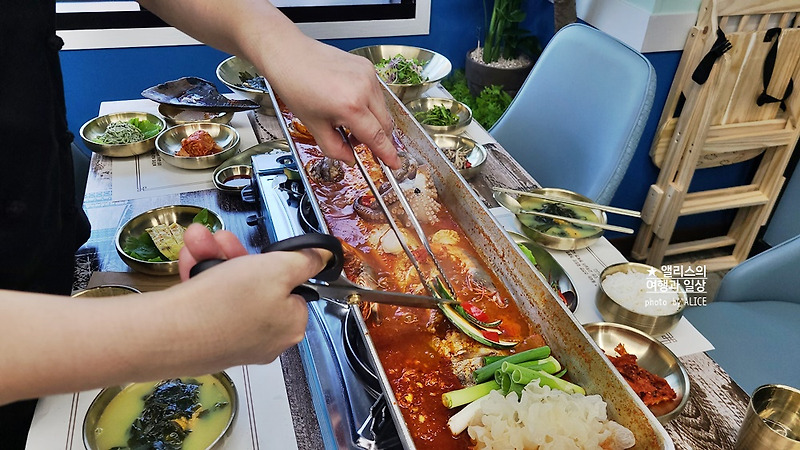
{"x": 529, "y": 289}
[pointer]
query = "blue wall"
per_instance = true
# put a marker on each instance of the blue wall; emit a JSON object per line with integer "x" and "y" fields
{"x": 93, "y": 76}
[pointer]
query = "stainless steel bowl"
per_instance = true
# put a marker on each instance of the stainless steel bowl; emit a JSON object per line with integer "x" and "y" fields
{"x": 613, "y": 310}
{"x": 168, "y": 144}
{"x": 104, "y": 398}
{"x": 229, "y": 73}
{"x": 174, "y": 115}
{"x": 180, "y": 214}
{"x": 476, "y": 154}
{"x": 423, "y": 105}
{"x": 92, "y": 129}
{"x": 435, "y": 66}
{"x": 651, "y": 355}
{"x": 107, "y": 290}
{"x": 564, "y": 236}
{"x": 233, "y": 179}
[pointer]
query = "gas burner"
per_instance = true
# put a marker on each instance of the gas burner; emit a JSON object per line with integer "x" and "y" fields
{"x": 351, "y": 410}
{"x": 294, "y": 189}
{"x": 356, "y": 351}
{"x": 379, "y": 423}
{"x": 305, "y": 214}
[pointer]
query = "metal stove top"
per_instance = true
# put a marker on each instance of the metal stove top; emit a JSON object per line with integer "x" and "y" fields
{"x": 350, "y": 408}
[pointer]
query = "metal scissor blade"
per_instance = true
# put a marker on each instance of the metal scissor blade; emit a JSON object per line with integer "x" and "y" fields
{"x": 355, "y": 295}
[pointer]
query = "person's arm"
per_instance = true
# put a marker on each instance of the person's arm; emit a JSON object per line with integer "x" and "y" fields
{"x": 324, "y": 86}
{"x": 239, "y": 312}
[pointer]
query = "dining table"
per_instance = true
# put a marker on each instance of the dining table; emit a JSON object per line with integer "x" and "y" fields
{"x": 278, "y": 409}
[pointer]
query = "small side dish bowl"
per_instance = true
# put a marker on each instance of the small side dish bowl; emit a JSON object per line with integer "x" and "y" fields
{"x": 652, "y": 356}
{"x": 640, "y": 296}
{"x": 94, "y": 128}
{"x": 435, "y": 66}
{"x": 465, "y": 154}
{"x": 233, "y": 179}
{"x": 114, "y": 409}
{"x": 181, "y": 214}
{"x": 106, "y": 290}
{"x": 168, "y": 144}
{"x": 174, "y": 115}
{"x": 233, "y": 72}
{"x": 420, "y": 106}
{"x": 563, "y": 236}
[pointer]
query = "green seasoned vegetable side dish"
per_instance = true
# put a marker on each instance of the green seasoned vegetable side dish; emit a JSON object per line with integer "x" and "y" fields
{"x": 439, "y": 115}
{"x": 128, "y": 132}
{"x": 400, "y": 70}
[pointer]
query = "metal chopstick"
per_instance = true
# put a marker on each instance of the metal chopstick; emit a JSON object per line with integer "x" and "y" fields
{"x": 611, "y": 209}
{"x": 604, "y": 226}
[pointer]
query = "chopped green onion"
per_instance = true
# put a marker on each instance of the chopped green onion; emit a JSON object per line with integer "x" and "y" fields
{"x": 466, "y": 395}
{"x": 487, "y": 372}
{"x": 523, "y": 376}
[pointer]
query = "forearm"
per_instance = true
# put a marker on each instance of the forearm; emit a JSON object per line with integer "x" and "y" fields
{"x": 51, "y": 344}
{"x": 253, "y": 29}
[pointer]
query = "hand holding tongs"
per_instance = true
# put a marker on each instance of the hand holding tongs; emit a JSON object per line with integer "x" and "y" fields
{"x": 329, "y": 284}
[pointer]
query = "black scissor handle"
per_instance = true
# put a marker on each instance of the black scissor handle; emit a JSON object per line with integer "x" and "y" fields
{"x": 331, "y": 272}
{"x": 334, "y": 268}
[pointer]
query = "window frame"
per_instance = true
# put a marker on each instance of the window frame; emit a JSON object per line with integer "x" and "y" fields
{"x": 123, "y": 24}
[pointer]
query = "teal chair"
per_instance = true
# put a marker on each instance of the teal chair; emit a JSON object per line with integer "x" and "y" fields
{"x": 577, "y": 119}
{"x": 754, "y": 320}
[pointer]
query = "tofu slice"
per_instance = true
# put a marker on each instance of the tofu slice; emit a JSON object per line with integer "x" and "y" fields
{"x": 177, "y": 233}
{"x": 165, "y": 242}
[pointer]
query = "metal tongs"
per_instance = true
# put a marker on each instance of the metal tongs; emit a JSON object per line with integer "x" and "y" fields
{"x": 433, "y": 280}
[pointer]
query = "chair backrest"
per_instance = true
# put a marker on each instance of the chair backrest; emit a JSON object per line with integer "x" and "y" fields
{"x": 576, "y": 121}
{"x": 770, "y": 275}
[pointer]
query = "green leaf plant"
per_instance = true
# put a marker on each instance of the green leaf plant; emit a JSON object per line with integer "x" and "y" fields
{"x": 504, "y": 36}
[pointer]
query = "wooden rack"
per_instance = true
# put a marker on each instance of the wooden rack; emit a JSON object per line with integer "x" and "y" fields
{"x": 719, "y": 123}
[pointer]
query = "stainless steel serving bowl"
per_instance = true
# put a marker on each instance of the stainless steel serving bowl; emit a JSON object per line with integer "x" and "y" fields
{"x": 475, "y": 153}
{"x": 174, "y": 115}
{"x": 425, "y": 104}
{"x": 614, "y": 310}
{"x": 168, "y": 144}
{"x": 104, "y": 398}
{"x": 559, "y": 237}
{"x": 435, "y": 66}
{"x": 230, "y": 71}
{"x": 107, "y": 290}
{"x": 92, "y": 129}
{"x": 651, "y": 355}
{"x": 180, "y": 214}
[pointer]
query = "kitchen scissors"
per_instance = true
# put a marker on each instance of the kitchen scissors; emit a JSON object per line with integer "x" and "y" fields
{"x": 329, "y": 283}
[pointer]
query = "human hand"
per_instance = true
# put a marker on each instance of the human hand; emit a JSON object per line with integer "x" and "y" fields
{"x": 247, "y": 300}
{"x": 327, "y": 88}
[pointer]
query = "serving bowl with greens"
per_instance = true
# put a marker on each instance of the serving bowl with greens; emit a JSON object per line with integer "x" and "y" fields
{"x": 150, "y": 242}
{"x": 242, "y": 78}
{"x": 440, "y": 115}
{"x": 466, "y": 155}
{"x": 122, "y": 134}
{"x": 407, "y": 71}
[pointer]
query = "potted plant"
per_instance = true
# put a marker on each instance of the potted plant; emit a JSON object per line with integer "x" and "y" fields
{"x": 508, "y": 50}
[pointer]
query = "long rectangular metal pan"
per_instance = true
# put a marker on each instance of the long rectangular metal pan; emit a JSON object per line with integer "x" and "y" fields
{"x": 528, "y": 288}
